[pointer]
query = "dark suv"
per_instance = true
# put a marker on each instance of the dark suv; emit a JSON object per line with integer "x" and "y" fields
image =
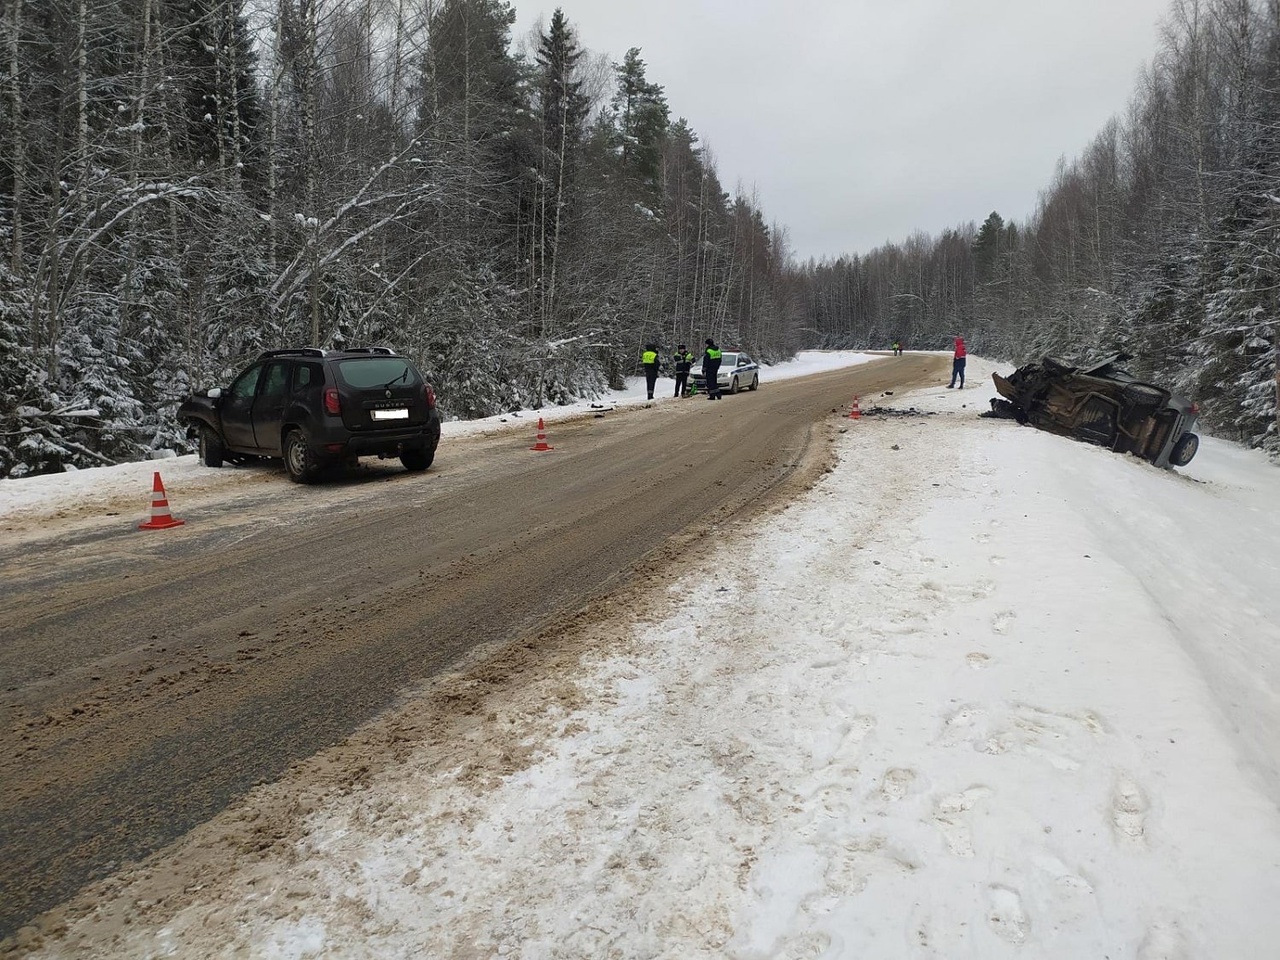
{"x": 316, "y": 407}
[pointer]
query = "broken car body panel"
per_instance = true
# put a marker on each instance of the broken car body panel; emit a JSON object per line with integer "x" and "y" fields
{"x": 1102, "y": 404}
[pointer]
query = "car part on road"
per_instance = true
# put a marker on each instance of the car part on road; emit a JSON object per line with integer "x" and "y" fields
{"x": 1102, "y": 404}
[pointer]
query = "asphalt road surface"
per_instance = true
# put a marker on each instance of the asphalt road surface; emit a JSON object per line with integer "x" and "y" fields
{"x": 149, "y": 679}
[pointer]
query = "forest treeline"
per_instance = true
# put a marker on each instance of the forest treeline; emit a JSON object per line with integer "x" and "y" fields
{"x": 1161, "y": 240}
{"x": 184, "y": 184}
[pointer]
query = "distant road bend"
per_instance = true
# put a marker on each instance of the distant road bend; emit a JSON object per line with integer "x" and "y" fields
{"x": 152, "y": 678}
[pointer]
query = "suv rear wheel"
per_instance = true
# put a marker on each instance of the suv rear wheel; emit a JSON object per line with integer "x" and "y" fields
{"x": 1184, "y": 449}
{"x": 212, "y": 450}
{"x": 299, "y": 461}
{"x": 418, "y": 459}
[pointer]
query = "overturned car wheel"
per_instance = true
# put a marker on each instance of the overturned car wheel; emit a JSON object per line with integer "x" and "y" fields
{"x": 1184, "y": 450}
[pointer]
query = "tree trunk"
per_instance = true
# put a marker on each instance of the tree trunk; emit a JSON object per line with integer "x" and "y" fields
{"x": 233, "y": 91}
{"x": 555, "y": 240}
{"x": 273, "y": 142}
{"x": 17, "y": 150}
{"x": 135, "y": 153}
{"x": 311, "y": 156}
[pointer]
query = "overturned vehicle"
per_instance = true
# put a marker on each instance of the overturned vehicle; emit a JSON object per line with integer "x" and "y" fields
{"x": 1102, "y": 404}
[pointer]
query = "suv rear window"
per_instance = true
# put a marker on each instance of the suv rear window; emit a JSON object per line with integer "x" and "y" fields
{"x": 365, "y": 372}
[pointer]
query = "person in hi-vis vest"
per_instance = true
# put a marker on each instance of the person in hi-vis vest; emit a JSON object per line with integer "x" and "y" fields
{"x": 649, "y": 360}
{"x": 711, "y": 369}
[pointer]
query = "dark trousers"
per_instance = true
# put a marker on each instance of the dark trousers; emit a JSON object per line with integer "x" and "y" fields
{"x": 682, "y": 382}
{"x": 713, "y": 381}
{"x": 957, "y": 370}
{"x": 650, "y": 377}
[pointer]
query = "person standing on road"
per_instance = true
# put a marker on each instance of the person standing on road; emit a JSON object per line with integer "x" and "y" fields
{"x": 897, "y": 348}
{"x": 711, "y": 369}
{"x": 957, "y": 364}
{"x": 649, "y": 360}
{"x": 683, "y": 364}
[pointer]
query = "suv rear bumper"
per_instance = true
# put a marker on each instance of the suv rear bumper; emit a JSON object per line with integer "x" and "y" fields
{"x": 344, "y": 443}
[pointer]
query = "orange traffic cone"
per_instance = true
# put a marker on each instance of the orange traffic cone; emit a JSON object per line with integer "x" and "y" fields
{"x": 542, "y": 438}
{"x": 856, "y": 412}
{"x": 160, "y": 516}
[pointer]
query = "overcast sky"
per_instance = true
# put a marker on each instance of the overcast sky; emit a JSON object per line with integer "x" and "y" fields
{"x": 861, "y": 121}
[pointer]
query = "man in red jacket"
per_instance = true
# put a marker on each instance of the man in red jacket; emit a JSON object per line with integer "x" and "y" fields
{"x": 957, "y": 364}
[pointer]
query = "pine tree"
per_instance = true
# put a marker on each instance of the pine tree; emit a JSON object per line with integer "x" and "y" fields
{"x": 640, "y": 117}
{"x": 562, "y": 112}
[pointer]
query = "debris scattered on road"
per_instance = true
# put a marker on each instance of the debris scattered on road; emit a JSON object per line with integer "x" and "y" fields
{"x": 898, "y": 412}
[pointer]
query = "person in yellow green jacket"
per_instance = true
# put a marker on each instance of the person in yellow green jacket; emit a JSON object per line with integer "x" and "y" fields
{"x": 649, "y": 360}
{"x": 711, "y": 369}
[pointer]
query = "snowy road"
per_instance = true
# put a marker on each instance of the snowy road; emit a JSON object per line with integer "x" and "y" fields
{"x": 150, "y": 679}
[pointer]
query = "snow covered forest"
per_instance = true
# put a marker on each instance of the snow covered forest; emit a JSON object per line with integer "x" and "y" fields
{"x": 184, "y": 184}
{"x": 1162, "y": 239}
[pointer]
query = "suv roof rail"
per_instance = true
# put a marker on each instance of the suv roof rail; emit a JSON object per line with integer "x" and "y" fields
{"x": 317, "y": 352}
{"x": 292, "y": 351}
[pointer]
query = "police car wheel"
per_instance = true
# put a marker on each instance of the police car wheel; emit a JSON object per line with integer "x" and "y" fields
{"x": 733, "y": 385}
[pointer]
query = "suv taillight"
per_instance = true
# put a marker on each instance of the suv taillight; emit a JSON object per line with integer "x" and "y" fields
{"x": 332, "y": 404}
{"x": 431, "y": 396}
{"x": 1195, "y": 408}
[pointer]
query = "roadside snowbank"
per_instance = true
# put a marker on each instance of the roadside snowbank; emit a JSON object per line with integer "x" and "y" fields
{"x": 984, "y": 692}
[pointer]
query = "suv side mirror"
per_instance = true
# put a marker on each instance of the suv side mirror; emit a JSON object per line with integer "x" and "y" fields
{"x": 213, "y": 393}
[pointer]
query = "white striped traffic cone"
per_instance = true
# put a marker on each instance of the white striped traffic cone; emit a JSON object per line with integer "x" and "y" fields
{"x": 542, "y": 438}
{"x": 161, "y": 519}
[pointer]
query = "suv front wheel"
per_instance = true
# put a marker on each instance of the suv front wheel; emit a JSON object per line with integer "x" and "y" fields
{"x": 212, "y": 450}
{"x": 299, "y": 461}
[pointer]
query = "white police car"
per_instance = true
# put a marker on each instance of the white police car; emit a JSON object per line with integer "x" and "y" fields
{"x": 737, "y": 372}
